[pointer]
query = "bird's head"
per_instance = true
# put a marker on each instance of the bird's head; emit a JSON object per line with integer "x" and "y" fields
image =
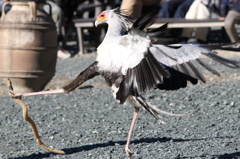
{"x": 115, "y": 16}
{"x": 102, "y": 18}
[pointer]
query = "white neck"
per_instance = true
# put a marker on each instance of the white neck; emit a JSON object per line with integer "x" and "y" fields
{"x": 115, "y": 28}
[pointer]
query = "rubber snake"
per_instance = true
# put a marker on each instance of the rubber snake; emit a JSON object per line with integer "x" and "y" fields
{"x": 30, "y": 121}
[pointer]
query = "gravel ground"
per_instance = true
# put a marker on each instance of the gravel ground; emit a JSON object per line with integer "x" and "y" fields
{"x": 89, "y": 123}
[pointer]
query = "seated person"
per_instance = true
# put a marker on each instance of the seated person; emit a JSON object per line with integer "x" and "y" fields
{"x": 6, "y": 8}
{"x": 175, "y": 8}
{"x": 230, "y": 11}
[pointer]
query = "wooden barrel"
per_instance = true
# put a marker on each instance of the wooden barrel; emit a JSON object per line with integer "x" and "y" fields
{"x": 28, "y": 46}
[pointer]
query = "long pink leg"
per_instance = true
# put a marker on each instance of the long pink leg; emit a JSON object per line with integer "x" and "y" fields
{"x": 37, "y": 93}
{"x": 128, "y": 151}
{"x": 85, "y": 75}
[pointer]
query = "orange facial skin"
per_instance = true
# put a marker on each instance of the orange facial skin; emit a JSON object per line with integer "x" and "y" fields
{"x": 101, "y": 17}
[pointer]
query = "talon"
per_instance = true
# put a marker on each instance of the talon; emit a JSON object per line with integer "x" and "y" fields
{"x": 128, "y": 152}
{"x": 14, "y": 95}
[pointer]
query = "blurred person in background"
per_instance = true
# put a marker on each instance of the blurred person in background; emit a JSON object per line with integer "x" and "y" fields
{"x": 200, "y": 9}
{"x": 6, "y": 8}
{"x": 175, "y": 8}
{"x": 62, "y": 14}
{"x": 136, "y": 8}
{"x": 230, "y": 12}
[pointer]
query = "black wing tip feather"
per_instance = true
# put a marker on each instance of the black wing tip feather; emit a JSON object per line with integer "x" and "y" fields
{"x": 123, "y": 13}
{"x": 158, "y": 31}
{"x": 147, "y": 19}
{"x": 143, "y": 22}
{"x": 207, "y": 67}
{"x": 227, "y": 62}
{"x": 233, "y": 46}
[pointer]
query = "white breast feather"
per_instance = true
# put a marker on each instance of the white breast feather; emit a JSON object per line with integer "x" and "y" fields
{"x": 122, "y": 52}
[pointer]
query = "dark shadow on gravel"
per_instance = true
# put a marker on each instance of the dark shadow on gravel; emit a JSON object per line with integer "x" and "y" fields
{"x": 235, "y": 155}
{"x": 73, "y": 150}
{"x": 86, "y": 87}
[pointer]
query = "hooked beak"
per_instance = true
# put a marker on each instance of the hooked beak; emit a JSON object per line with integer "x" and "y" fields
{"x": 96, "y": 23}
{"x": 99, "y": 21}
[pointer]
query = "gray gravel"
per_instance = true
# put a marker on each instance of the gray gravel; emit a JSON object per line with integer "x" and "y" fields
{"x": 89, "y": 123}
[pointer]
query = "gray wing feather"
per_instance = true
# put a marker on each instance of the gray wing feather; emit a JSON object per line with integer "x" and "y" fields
{"x": 175, "y": 55}
{"x": 172, "y": 56}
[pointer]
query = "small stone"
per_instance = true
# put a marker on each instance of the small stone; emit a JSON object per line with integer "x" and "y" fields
{"x": 51, "y": 137}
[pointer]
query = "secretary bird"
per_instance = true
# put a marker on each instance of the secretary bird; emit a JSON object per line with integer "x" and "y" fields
{"x": 132, "y": 65}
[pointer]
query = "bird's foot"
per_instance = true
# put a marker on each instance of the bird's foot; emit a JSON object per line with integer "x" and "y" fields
{"x": 14, "y": 94}
{"x": 128, "y": 152}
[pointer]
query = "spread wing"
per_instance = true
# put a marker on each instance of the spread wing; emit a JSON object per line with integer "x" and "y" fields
{"x": 167, "y": 67}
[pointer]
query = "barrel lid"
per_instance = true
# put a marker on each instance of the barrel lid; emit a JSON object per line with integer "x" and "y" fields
{"x": 37, "y": 1}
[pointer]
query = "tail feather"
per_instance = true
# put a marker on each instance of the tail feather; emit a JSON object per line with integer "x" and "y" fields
{"x": 151, "y": 108}
{"x": 155, "y": 111}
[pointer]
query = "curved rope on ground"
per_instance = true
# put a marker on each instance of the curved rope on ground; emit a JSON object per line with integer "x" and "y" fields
{"x": 30, "y": 121}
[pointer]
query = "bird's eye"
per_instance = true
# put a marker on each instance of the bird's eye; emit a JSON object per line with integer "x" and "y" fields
{"x": 102, "y": 15}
